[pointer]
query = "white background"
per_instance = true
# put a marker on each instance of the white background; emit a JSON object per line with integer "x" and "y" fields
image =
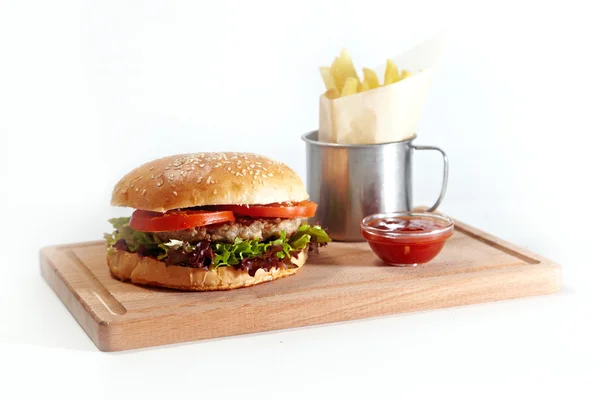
{"x": 90, "y": 90}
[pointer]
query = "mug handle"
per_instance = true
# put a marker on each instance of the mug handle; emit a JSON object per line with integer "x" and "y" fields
{"x": 445, "y": 182}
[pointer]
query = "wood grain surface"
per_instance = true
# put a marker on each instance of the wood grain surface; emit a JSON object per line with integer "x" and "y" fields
{"x": 346, "y": 281}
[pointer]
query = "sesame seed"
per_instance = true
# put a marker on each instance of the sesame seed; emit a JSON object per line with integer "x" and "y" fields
{"x": 263, "y": 175}
{"x": 215, "y": 192}
{"x": 270, "y": 174}
{"x": 199, "y": 180}
{"x": 136, "y": 189}
{"x": 143, "y": 192}
{"x": 159, "y": 183}
{"x": 174, "y": 193}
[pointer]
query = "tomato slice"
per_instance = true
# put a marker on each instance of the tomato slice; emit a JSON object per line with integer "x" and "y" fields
{"x": 148, "y": 221}
{"x": 304, "y": 209}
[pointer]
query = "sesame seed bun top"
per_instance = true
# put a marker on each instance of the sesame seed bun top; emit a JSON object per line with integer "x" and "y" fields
{"x": 199, "y": 179}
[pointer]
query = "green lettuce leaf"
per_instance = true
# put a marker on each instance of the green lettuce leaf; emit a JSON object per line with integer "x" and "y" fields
{"x": 224, "y": 253}
{"x": 306, "y": 234}
{"x": 174, "y": 245}
{"x": 234, "y": 253}
{"x": 132, "y": 238}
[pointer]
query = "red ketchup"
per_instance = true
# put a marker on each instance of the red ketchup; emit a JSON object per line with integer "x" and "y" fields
{"x": 405, "y": 238}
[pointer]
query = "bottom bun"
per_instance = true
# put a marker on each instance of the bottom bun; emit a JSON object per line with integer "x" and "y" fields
{"x": 151, "y": 272}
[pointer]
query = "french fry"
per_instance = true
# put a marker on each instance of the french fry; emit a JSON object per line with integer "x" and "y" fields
{"x": 405, "y": 74}
{"x": 346, "y": 65}
{"x": 332, "y": 94}
{"x": 364, "y": 86}
{"x": 341, "y": 79}
{"x": 391, "y": 73}
{"x": 338, "y": 79}
{"x": 371, "y": 78}
{"x": 328, "y": 78}
{"x": 343, "y": 68}
{"x": 350, "y": 87}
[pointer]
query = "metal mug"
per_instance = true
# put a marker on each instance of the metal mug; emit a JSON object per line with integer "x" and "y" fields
{"x": 350, "y": 182}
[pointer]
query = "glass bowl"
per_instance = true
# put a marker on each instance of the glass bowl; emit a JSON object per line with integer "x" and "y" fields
{"x": 407, "y": 238}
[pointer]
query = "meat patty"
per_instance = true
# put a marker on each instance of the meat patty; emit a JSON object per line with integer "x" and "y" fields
{"x": 244, "y": 228}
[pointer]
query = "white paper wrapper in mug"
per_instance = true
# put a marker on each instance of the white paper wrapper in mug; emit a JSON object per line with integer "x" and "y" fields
{"x": 386, "y": 114}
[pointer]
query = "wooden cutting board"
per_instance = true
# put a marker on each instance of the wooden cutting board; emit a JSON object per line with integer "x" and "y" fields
{"x": 346, "y": 281}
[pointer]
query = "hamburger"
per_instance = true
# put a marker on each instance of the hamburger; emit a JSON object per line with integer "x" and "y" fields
{"x": 211, "y": 221}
